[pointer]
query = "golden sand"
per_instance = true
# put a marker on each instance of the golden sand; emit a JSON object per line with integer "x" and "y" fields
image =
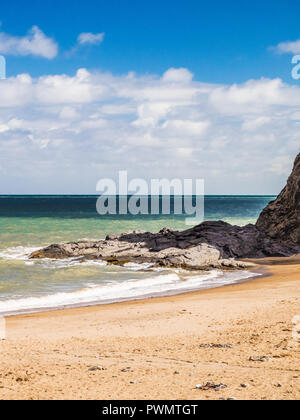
{"x": 162, "y": 348}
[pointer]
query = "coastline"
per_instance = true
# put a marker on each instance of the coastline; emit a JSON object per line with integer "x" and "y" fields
{"x": 255, "y": 272}
{"x": 161, "y": 347}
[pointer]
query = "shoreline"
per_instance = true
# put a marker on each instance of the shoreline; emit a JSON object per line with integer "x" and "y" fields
{"x": 161, "y": 348}
{"x": 262, "y": 272}
{"x": 257, "y": 272}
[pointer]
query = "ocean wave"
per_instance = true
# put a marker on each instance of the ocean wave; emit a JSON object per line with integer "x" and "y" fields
{"x": 68, "y": 262}
{"x": 132, "y": 289}
{"x": 20, "y": 253}
{"x": 138, "y": 266}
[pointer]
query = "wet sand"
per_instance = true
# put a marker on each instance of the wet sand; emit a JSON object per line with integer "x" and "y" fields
{"x": 162, "y": 348}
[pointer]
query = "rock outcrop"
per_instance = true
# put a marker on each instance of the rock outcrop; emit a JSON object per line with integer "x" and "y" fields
{"x": 166, "y": 249}
{"x": 208, "y": 245}
{"x": 281, "y": 218}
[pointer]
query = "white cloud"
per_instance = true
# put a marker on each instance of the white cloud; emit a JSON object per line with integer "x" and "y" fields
{"x": 177, "y": 76}
{"x": 117, "y": 109}
{"x": 253, "y": 124}
{"x": 90, "y": 38}
{"x": 68, "y": 131}
{"x": 149, "y": 114}
{"x": 287, "y": 47}
{"x": 281, "y": 165}
{"x": 16, "y": 91}
{"x": 186, "y": 128}
{"x": 35, "y": 43}
{"x": 69, "y": 113}
{"x": 3, "y": 128}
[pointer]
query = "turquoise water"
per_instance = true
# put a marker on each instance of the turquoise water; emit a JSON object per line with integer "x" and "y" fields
{"x": 28, "y": 223}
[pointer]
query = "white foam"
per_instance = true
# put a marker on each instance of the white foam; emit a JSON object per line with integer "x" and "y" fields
{"x": 161, "y": 282}
{"x": 20, "y": 253}
{"x": 165, "y": 284}
{"x": 68, "y": 262}
{"x": 138, "y": 266}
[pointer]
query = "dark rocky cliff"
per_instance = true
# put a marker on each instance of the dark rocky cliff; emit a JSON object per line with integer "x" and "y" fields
{"x": 281, "y": 218}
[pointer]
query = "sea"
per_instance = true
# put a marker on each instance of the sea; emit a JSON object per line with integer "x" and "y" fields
{"x": 28, "y": 223}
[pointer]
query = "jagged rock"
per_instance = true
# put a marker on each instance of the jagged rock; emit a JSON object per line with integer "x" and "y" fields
{"x": 281, "y": 218}
{"x": 121, "y": 251}
{"x": 238, "y": 242}
{"x": 208, "y": 245}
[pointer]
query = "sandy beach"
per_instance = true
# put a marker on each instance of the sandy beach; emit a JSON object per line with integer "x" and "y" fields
{"x": 162, "y": 348}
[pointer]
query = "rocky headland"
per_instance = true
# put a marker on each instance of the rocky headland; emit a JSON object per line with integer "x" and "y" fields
{"x": 207, "y": 245}
{"x": 281, "y": 218}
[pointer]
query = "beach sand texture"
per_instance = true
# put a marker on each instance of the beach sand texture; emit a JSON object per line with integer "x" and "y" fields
{"x": 162, "y": 348}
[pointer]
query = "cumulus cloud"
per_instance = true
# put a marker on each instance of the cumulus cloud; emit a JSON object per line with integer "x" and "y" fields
{"x": 288, "y": 47}
{"x": 252, "y": 96}
{"x": 65, "y": 89}
{"x": 35, "y": 43}
{"x": 177, "y": 76}
{"x": 90, "y": 38}
{"x": 240, "y": 138}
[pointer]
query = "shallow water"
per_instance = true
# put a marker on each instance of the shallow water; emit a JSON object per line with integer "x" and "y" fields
{"x": 28, "y": 223}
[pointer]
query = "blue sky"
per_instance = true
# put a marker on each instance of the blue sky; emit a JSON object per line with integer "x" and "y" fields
{"x": 165, "y": 88}
{"x": 219, "y": 41}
